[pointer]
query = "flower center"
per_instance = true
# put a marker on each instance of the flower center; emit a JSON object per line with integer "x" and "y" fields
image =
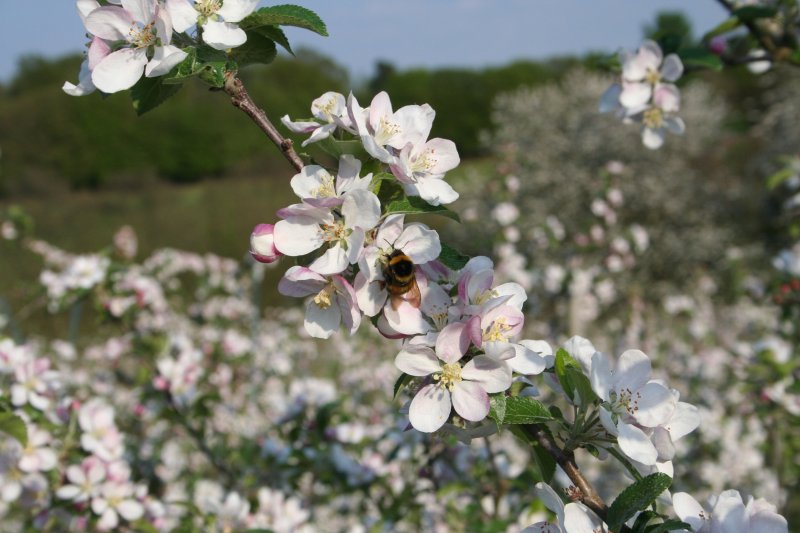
{"x": 653, "y": 118}
{"x": 449, "y": 376}
{"x": 324, "y": 298}
{"x": 207, "y": 8}
{"x": 424, "y": 162}
{"x": 326, "y": 189}
{"x": 326, "y": 109}
{"x": 625, "y": 401}
{"x": 485, "y": 296}
{"x": 652, "y": 76}
{"x": 142, "y": 36}
{"x": 498, "y": 331}
{"x": 334, "y": 232}
{"x": 386, "y": 131}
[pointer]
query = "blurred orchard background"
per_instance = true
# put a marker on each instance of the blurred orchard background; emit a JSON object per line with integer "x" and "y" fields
{"x": 685, "y": 252}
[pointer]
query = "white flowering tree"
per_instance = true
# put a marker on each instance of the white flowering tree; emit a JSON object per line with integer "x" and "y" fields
{"x": 455, "y": 331}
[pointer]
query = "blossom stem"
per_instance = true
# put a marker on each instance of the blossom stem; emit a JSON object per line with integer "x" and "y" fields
{"x": 240, "y": 99}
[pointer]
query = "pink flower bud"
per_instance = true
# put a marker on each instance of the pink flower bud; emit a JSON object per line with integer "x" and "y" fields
{"x": 161, "y": 383}
{"x": 262, "y": 244}
{"x": 718, "y": 45}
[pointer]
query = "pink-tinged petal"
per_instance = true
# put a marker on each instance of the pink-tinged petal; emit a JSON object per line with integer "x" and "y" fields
{"x": 419, "y": 243}
{"x": 223, "y": 35}
{"x": 142, "y": 10}
{"x": 119, "y": 70}
{"x": 109, "y": 519}
{"x": 300, "y": 281}
{"x": 98, "y": 50}
{"x": 355, "y": 245}
{"x": 470, "y": 401}
{"x": 429, "y": 409}
{"x": 667, "y": 97}
{"x": 492, "y": 375}
{"x": 729, "y": 515}
{"x": 515, "y": 292}
{"x": 109, "y": 22}
{"x": 346, "y": 299}
{"x": 526, "y": 361}
{"x": 406, "y": 319}
{"x": 633, "y": 370}
{"x": 390, "y": 231}
{"x": 652, "y": 139}
{"x": 475, "y": 331}
{"x": 358, "y": 115}
{"x": 478, "y": 283}
{"x": 636, "y": 444}
{"x": 371, "y": 296}
{"x": 347, "y": 174}
{"x": 672, "y": 69}
{"x": 453, "y": 342}
{"x": 685, "y": 420}
{"x": 417, "y": 361}
{"x": 655, "y": 406}
{"x": 236, "y": 10}
{"x": 377, "y": 151}
{"x": 70, "y": 492}
{"x": 435, "y": 300}
{"x": 648, "y": 58}
{"x": 322, "y": 132}
{"x": 609, "y": 101}
{"x": 635, "y": 94}
{"x": 443, "y": 154}
{"x": 688, "y": 510}
{"x": 298, "y": 235}
{"x": 320, "y": 322}
{"x": 578, "y": 517}
{"x": 433, "y": 190}
{"x": 380, "y": 108}
{"x": 130, "y": 510}
{"x": 361, "y": 209}
{"x": 300, "y": 126}
{"x": 333, "y": 261}
{"x": 500, "y": 350}
{"x": 308, "y": 182}
{"x": 85, "y": 7}
{"x": 165, "y": 58}
{"x": 182, "y": 13}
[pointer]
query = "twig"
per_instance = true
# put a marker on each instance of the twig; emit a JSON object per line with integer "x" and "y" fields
{"x": 764, "y": 40}
{"x": 241, "y": 100}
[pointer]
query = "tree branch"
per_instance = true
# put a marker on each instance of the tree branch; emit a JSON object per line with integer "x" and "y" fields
{"x": 241, "y": 100}
{"x": 763, "y": 39}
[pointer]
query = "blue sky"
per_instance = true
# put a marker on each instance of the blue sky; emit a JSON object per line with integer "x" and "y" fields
{"x": 408, "y": 33}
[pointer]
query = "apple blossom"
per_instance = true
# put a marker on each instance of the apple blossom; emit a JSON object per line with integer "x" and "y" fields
{"x": 315, "y": 186}
{"x": 334, "y": 300}
{"x": 729, "y": 514}
{"x": 572, "y": 518}
{"x": 331, "y": 110}
{"x": 465, "y": 388}
{"x": 145, "y": 30}
{"x": 217, "y": 19}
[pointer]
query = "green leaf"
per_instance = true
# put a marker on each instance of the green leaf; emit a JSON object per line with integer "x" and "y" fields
{"x": 573, "y": 380}
{"x": 779, "y": 177}
{"x": 700, "y": 58}
{"x": 544, "y": 461}
{"x": 414, "y": 204}
{"x": 636, "y": 497}
{"x": 14, "y": 426}
{"x": 149, "y": 93}
{"x": 258, "y": 49}
{"x": 337, "y": 148}
{"x": 724, "y": 27}
{"x": 451, "y": 258}
{"x": 497, "y": 408}
{"x": 277, "y": 35}
{"x": 525, "y": 410}
{"x": 668, "y": 525}
{"x": 644, "y": 518}
{"x": 400, "y": 384}
{"x": 204, "y": 62}
{"x": 751, "y": 13}
{"x": 285, "y": 15}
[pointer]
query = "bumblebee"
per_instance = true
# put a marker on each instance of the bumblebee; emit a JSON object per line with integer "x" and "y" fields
{"x": 400, "y": 277}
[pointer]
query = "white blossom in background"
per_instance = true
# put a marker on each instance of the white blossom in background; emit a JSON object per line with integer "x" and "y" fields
{"x": 729, "y": 514}
{"x": 647, "y": 94}
{"x": 331, "y": 112}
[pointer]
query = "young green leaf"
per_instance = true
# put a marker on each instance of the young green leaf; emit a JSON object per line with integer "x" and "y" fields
{"x": 451, "y": 258}
{"x": 149, "y": 93}
{"x": 752, "y": 13}
{"x": 277, "y": 35}
{"x": 724, "y": 27}
{"x": 700, "y": 58}
{"x": 572, "y": 379}
{"x": 525, "y": 410}
{"x": 637, "y": 497}
{"x": 400, "y": 384}
{"x": 258, "y": 49}
{"x": 414, "y": 204}
{"x": 285, "y": 15}
{"x": 497, "y": 407}
{"x": 204, "y": 62}
{"x": 668, "y": 525}
{"x": 14, "y": 426}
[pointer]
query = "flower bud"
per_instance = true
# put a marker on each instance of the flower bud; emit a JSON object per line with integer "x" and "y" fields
{"x": 262, "y": 244}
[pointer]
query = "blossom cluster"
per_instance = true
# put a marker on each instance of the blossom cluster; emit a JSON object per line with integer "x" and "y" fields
{"x": 647, "y": 94}
{"x": 134, "y": 38}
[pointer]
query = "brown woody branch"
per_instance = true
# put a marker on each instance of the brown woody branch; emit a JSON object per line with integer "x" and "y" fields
{"x": 241, "y": 100}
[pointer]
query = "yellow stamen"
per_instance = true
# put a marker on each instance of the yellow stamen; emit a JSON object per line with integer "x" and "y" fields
{"x": 449, "y": 376}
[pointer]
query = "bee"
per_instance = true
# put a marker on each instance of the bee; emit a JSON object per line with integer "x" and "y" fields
{"x": 400, "y": 277}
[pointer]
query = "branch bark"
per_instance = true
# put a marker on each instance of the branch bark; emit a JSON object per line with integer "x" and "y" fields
{"x": 240, "y": 99}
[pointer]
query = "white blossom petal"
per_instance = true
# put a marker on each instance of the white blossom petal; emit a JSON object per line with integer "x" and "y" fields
{"x": 429, "y": 409}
